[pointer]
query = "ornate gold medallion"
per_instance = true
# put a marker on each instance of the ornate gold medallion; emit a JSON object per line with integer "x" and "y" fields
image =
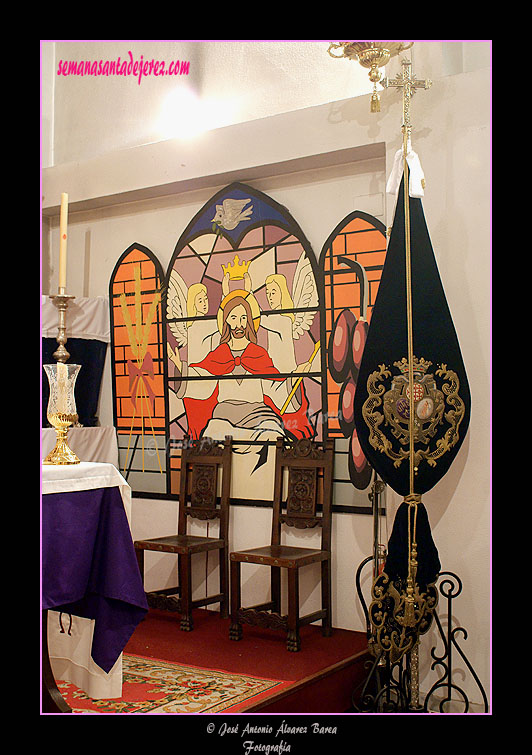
{"x": 435, "y": 402}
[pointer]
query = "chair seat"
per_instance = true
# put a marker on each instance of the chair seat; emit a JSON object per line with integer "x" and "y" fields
{"x": 286, "y": 556}
{"x": 180, "y": 544}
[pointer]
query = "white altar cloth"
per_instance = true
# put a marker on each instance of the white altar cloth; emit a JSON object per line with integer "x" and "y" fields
{"x": 70, "y": 654}
{"x": 88, "y": 443}
{"x": 71, "y": 661}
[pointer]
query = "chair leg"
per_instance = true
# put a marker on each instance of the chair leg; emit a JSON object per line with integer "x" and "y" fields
{"x": 326, "y": 624}
{"x": 185, "y": 591}
{"x": 293, "y": 642}
{"x": 275, "y": 578}
{"x": 224, "y": 583}
{"x": 235, "y": 630}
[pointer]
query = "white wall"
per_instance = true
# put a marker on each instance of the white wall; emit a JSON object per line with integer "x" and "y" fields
{"x": 321, "y": 162}
{"x": 237, "y": 81}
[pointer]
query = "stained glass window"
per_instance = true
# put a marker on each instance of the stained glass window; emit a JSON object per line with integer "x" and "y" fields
{"x": 138, "y": 366}
{"x": 246, "y": 335}
{"x": 352, "y": 259}
{"x": 242, "y": 274}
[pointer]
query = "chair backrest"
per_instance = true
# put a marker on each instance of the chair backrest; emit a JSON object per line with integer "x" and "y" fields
{"x": 202, "y": 461}
{"x": 297, "y": 502}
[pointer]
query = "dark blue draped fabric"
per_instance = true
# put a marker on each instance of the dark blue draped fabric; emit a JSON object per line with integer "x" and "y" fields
{"x": 90, "y": 354}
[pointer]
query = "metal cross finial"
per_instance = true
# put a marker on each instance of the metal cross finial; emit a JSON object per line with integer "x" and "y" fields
{"x": 409, "y": 85}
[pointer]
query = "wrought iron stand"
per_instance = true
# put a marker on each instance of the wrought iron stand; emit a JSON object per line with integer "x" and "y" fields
{"x": 450, "y": 587}
{"x": 387, "y": 687}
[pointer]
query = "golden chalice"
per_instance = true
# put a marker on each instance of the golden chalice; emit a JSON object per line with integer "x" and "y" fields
{"x": 61, "y": 412}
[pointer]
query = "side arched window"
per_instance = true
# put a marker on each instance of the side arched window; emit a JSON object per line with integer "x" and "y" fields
{"x": 138, "y": 368}
{"x": 351, "y": 262}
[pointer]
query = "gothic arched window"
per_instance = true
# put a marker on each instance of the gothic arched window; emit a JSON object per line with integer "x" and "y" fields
{"x": 351, "y": 262}
{"x": 138, "y": 368}
{"x": 243, "y": 273}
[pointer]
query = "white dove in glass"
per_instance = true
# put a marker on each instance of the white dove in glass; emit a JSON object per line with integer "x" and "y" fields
{"x": 231, "y": 212}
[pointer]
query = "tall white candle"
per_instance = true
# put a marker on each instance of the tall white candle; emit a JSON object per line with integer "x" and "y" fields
{"x": 63, "y": 222}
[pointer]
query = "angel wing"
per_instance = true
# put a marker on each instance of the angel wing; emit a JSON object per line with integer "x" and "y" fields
{"x": 304, "y": 294}
{"x": 176, "y": 307}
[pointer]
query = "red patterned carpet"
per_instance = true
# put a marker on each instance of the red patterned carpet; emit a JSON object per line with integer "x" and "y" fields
{"x": 260, "y": 651}
{"x": 169, "y": 671}
{"x": 154, "y": 686}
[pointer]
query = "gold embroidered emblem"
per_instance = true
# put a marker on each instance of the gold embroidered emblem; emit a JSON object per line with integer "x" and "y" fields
{"x": 434, "y": 402}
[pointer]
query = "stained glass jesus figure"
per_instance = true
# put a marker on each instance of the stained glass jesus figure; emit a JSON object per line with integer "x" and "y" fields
{"x": 248, "y": 408}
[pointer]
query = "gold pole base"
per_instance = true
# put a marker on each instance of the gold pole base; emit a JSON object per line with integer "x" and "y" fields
{"x": 62, "y": 453}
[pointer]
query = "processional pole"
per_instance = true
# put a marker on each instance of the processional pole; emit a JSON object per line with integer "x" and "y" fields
{"x": 412, "y": 404}
{"x": 409, "y": 86}
{"x": 374, "y": 55}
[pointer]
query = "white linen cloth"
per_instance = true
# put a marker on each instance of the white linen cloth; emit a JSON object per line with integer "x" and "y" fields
{"x": 87, "y": 475}
{"x": 70, "y": 654}
{"x": 415, "y": 172}
{"x": 87, "y": 317}
{"x": 89, "y": 443}
{"x": 71, "y": 660}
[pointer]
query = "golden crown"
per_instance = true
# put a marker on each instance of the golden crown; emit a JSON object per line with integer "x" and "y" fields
{"x": 420, "y": 365}
{"x": 237, "y": 270}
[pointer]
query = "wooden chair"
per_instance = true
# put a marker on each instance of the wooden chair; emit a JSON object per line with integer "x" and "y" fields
{"x": 201, "y": 461}
{"x": 309, "y": 484}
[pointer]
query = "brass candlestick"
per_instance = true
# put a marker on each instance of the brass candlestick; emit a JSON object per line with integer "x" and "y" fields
{"x": 61, "y": 301}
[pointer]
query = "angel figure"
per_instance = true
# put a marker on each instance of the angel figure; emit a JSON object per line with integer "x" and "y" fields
{"x": 200, "y": 335}
{"x": 286, "y": 327}
{"x": 231, "y": 212}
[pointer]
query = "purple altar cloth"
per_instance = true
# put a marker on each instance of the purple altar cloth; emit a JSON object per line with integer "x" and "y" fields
{"x": 89, "y": 567}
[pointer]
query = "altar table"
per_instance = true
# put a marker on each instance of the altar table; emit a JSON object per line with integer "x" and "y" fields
{"x": 89, "y": 573}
